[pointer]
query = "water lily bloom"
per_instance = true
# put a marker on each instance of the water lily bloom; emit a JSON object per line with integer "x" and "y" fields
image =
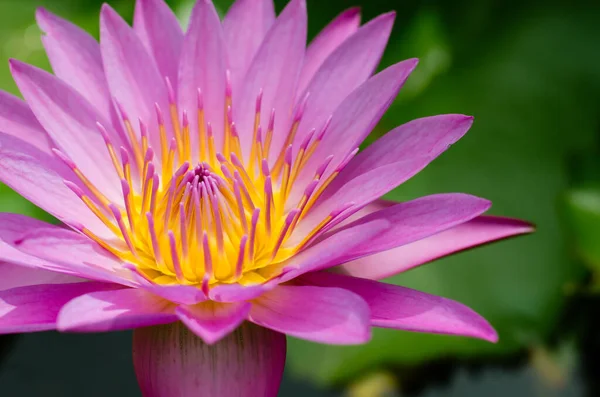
{"x": 212, "y": 195}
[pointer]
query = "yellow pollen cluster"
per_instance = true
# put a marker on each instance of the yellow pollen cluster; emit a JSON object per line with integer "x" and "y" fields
{"x": 200, "y": 214}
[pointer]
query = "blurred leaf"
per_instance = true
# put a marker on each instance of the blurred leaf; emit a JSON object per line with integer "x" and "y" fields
{"x": 582, "y": 215}
{"x": 526, "y": 89}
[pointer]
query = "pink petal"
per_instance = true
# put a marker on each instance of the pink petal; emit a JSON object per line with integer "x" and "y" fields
{"x": 390, "y": 161}
{"x": 75, "y": 59}
{"x": 402, "y": 308}
{"x": 227, "y": 369}
{"x": 350, "y": 65}
{"x": 14, "y": 276}
{"x": 39, "y": 178}
{"x": 368, "y": 103}
{"x": 334, "y": 249}
{"x": 70, "y": 121}
{"x": 391, "y": 227}
{"x": 325, "y": 315}
{"x": 29, "y": 242}
{"x": 159, "y": 30}
{"x": 203, "y": 64}
{"x": 245, "y": 26}
{"x": 274, "y": 71}
{"x": 133, "y": 76}
{"x": 35, "y": 308}
{"x": 428, "y": 136}
{"x": 481, "y": 230}
{"x": 414, "y": 220}
{"x": 330, "y": 38}
{"x": 114, "y": 310}
{"x": 16, "y": 119}
{"x": 213, "y": 321}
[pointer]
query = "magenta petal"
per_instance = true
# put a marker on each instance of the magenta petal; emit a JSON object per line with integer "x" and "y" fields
{"x": 75, "y": 58}
{"x": 71, "y": 121}
{"x": 133, "y": 77}
{"x": 414, "y": 220}
{"x": 17, "y": 119}
{"x": 213, "y": 321}
{"x": 203, "y": 64}
{"x": 29, "y": 242}
{"x": 481, "y": 230}
{"x": 35, "y": 308}
{"x": 344, "y": 134}
{"x": 227, "y": 369}
{"x": 39, "y": 177}
{"x": 350, "y": 65}
{"x": 332, "y": 250}
{"x": 245, "y": 26}
{"x": 274, "y": 71}
{"x": 14, "y": 276}
{"x": 330, "y": 38}
{"x": 159, "y": 30}
{"x": 390, "y": 161}
{"x": 425, "y": 137}
{"x": 402, "y": 308}
{"x": 391, "y": 227}
{"x": 114, "y": 310}
{"x": 326, "y": 315}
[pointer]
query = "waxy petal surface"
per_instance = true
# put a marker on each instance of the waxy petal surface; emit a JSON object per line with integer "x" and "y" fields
{"x": 403, "y": 308}
{"x": 245, "y": 26}
{"x": 17, "y": 119}
{"x": 274, "y": 71}
{"x": 213, "y": 321}
{"x": 326, "y": 315}
{"x": 159, "y": 30}
{"x": 133, "y": 77}
{"x": 39, "y": 177}
{"x": 75, "y": 58}
{"x": 390, "y": 161}
{"x": 330, "y": 38}
{"x": 71, "y": 121}
{"x": 32, "y": 243}
{"x": 14, "y": 276}
{"x": 115, "y": 310}
{"x": 367, "y": 103}
{"x": 35, "y": 308}
{"x": 203, "y": 66}
{"x": 481, "y": 230}
{"x": 346, "y": 68}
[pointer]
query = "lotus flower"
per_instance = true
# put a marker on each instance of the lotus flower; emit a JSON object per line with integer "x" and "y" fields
{"x": 212, "y": 195}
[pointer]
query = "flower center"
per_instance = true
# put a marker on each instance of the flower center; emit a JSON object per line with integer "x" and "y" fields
{"x": 227, "y": 220}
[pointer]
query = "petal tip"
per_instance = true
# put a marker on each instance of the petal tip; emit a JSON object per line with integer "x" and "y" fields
{"x": 388, "y": 16}
{"x": 17, "y": 67}
{"x": 352, "y": 13}
{"x": 43, "y": 18}
{"x": 413, "y": 62}
{"x": 384, "y": 22}
{"x": 488, "y": 334}
{"x": 107, "y": 14}
{"x": 466, "y": 120}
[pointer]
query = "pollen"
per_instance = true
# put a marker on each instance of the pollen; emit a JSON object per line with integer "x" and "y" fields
{"x": 198, "y": 214}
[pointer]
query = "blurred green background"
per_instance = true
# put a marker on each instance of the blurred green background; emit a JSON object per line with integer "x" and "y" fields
{"x": 529, "y": 71}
